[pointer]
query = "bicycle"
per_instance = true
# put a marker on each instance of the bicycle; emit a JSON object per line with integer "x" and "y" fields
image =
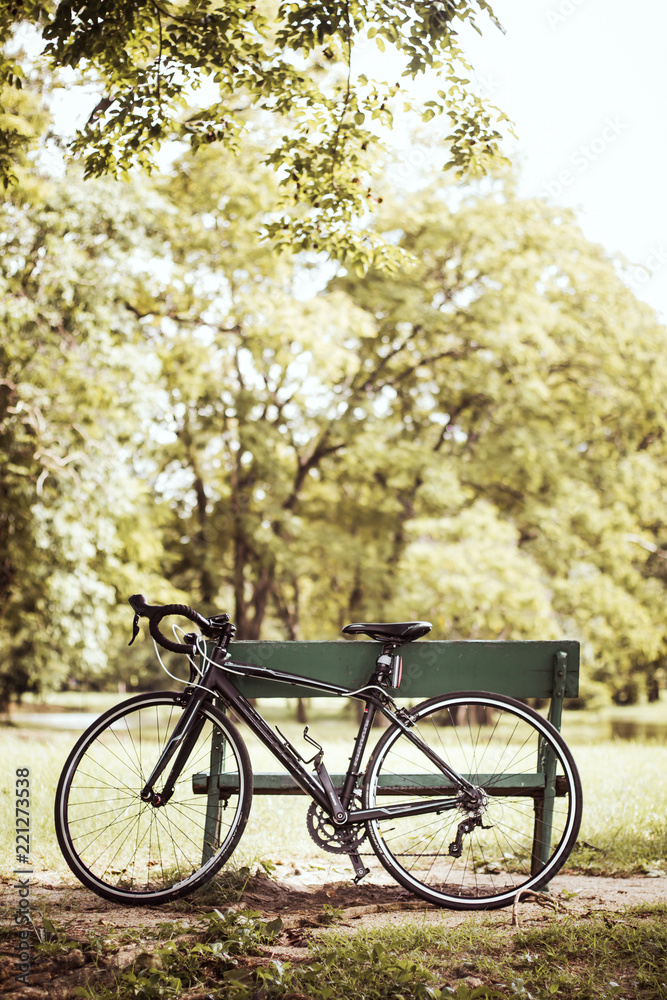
{"x": 467, "y": 799}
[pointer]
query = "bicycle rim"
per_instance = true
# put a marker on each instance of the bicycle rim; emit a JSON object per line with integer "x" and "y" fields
{"x": 520, "y": 835}
{"x": 128, "y": 850}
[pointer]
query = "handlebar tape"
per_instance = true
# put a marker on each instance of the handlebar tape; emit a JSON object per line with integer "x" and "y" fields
{"x": 156, "y": 612}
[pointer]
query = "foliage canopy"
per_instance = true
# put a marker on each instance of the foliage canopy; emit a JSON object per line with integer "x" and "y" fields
{"x": 478, "y": 439}
{"x": 204, "y": 71}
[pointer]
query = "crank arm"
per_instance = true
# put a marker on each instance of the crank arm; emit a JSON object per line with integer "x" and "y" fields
{"x": 339, "y": 815}
{"x": 360, "y": 869}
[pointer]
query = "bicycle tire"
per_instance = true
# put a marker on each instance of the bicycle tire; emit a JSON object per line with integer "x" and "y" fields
{"x": 497, "y": 742}
{"x": 127, "y": 850}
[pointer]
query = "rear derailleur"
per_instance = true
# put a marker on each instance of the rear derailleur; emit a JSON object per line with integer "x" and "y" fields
{"x": 474, "y": 803}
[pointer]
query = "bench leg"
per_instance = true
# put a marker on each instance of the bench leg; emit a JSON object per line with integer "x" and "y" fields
{"x": 544, "y": 805}
{"x": 547, "y": 765}
{"x": 212, "y": 822}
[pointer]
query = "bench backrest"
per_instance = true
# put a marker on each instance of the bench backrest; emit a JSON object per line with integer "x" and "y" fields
{"x": 522, "y": 669}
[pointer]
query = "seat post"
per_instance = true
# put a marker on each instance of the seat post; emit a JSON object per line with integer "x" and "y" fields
{"x": 390, "y": 663}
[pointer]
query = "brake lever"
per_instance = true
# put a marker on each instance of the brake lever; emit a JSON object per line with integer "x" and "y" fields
{"x": 135, "y": 629}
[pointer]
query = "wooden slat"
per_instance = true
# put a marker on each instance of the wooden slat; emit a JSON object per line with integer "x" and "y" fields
{"x": 521, "y": 669}
{"x": 414, "y": 784}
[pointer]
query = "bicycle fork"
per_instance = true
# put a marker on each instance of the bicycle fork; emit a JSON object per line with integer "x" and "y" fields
{"x": 182, "y": 740}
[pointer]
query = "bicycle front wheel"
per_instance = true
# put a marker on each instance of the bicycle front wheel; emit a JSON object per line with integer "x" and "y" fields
{"x": 521, "y": 828}
{"x": 134, "y": 852}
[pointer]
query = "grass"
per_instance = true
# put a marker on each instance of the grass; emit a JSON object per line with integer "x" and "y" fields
{"x": 600, "y": 956}
{"x": 644, "y": 723}
{"x": 596, "y": 957}
{"x": 73, "y": 701}
{"x": 44, "y": 754}
{"x": 625, "y": 808}
{"x": 624, "y": 827}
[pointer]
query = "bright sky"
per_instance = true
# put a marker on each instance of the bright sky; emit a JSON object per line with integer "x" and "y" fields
{"x": 585, "y": 82}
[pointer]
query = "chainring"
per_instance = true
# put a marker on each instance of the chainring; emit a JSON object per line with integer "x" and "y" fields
{"x": 330, "y": 837}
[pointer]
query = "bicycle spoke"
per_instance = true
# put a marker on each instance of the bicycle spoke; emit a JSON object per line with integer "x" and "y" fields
{"x": 479, "y": 854}
{"x": 126, "y": 848}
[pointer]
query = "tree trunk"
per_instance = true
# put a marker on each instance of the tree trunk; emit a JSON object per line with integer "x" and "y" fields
{"x": 206, "y": 581}
{"x": 301, "y": 713}
{"x": 240, "y": 607}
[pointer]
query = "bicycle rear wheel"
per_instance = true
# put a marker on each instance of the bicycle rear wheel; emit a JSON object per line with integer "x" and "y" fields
{"x": 529, "y": 803}
{"x": 131, "y": 851}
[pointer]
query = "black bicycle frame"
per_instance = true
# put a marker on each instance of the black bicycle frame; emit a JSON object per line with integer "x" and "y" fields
{"x": 317, "y": 786}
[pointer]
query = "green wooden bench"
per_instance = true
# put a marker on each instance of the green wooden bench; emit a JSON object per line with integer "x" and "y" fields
{"x": 545, "y": 670}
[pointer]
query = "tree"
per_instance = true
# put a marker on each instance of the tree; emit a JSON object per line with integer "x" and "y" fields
{"x": 75, "y": 390}
{"x": 482, "y": 445}
{"x": 251, "y": 376}
{"x": 478, "y": 439}
{"x": 535, "y": 380}
{"x": 296, "y": 65}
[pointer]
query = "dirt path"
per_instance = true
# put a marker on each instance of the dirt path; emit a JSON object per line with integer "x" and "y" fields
{"x": 294, "y": 896}
{"x": 299, "y": 901}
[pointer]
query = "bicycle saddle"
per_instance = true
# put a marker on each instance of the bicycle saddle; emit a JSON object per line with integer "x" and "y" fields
{"x": 397, "y": 632}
